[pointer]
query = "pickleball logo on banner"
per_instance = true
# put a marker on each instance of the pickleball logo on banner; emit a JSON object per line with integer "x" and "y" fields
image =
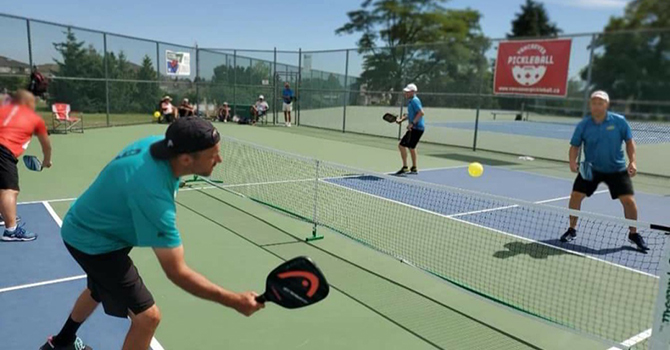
{"x": 535, "y": 67}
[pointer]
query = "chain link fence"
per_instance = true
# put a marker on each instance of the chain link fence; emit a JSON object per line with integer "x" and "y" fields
{"x": 119, "y": 80}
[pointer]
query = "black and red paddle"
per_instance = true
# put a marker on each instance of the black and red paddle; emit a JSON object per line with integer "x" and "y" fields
{"x": 294, "y": 284}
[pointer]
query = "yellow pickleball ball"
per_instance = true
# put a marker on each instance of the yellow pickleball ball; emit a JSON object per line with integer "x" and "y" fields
{"x": 157, "y": 114}
{"x": 475, "y": 169}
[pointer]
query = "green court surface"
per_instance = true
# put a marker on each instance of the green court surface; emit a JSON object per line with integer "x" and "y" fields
{"x": 376, "y": 302}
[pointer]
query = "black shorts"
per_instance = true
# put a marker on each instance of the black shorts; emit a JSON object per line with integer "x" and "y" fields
{"x": 114, "y": 281}
{"x": 619, "y": 184}
{"x": 9, "y": 172}
{"x": 411, "y": 138}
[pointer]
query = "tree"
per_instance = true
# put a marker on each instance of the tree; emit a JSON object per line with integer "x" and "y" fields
{"x": 635, "y": 65}
{"x": 437, "y": 48}
{"x": 148, "y": 94}
{"x": 533, "y": 21}
{"x": 79, "y": 62}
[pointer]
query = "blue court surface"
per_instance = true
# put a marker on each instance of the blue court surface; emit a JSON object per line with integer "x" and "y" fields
{"x": 603, "y": 240}
{"x": 40, "y": 283}
{"x": 643, "y": 133}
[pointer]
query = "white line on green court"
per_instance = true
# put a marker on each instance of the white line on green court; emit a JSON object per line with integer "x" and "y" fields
{"x": 633, "y": 340}
{"x": 74, "y": 198}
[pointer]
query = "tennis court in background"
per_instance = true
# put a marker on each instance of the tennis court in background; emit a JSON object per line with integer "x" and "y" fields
{"x": 377, "y": 302}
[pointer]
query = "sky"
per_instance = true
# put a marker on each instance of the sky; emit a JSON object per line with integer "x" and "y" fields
{"x": 258, "y": 24}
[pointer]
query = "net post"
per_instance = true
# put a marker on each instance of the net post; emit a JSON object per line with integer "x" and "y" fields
{"x": 660, "y": 332}
{"x": 315, "y": 236}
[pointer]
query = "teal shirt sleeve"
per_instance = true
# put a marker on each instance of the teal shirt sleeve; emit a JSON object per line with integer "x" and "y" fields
{"x": 155, "y": 220}
{"x": 417, "y": 105}
{"x": 577, "y": 136}
{"x": 626, "y": 133}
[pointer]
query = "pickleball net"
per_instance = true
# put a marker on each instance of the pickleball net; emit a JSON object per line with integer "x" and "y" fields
{"x": 502, "y": 249}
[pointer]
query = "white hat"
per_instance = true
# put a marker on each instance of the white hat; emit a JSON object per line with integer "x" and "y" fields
{"x": 410, "y": 87}
{"x": 261, "y": 97}
{"x": 601, "y": 94}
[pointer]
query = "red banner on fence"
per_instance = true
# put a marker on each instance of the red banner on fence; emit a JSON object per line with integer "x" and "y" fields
{"x": 532, "y": 67}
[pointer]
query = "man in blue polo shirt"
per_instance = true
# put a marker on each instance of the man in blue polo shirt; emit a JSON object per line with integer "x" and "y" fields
{"x": 415, "y": 129}
{"x": 603, "y": 134}
{"x": 287, "y": 96}
{"x": 132, "y": 204}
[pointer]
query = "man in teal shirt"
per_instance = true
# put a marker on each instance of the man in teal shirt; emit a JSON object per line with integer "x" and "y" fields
{"x": 603, "y": 133}
{"x": 415, "y": 129}
{"x": 132, "y": 204}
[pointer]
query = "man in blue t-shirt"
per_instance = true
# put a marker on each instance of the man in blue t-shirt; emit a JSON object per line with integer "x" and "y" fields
{"x": 603, "y": 134}
{"x": 415, "y": 129}
{"x": 132, "y": 204}
{"x": 287, "y": 96}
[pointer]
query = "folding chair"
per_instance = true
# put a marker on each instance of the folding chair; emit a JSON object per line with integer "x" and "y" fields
{"x": 64, "y": 120}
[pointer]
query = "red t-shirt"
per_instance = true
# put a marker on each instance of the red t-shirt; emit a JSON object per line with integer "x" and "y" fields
{"x": 18, "y": 124}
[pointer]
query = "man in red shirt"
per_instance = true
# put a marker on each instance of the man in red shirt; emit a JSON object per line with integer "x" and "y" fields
{"x": 18, "y": 124}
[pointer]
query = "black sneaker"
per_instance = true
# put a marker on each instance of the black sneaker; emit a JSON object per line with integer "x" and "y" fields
{"x": 569, "y": 235}
{"x": 413, "y": 171}
{"x": 402, "y": 170}
{"x": 638, "y": 241}
{"x": 77, "y": 345}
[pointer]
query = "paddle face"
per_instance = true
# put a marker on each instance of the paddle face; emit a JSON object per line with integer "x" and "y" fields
{"x": 295, "y": 283}
{"x": 585, "y": 171}
{"x": 390, "y": 117}
{"x": 32, "y": 163}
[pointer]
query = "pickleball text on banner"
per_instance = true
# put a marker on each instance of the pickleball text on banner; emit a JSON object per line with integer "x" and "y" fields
{"x": 532, "y": 67}
{"x": 178, "y": 63}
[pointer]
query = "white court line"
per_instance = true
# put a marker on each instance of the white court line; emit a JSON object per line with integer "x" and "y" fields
{"x": 515, "y": 205}
{"x": 74, "y": 198}
{"x": 496, "y": 230}
{"x": 433, "y": 169}
{"x": 633, "y": 340}
{"x": 44, "y": 283}
{"x": 53, "y": 214}
{"x": 155, "y": 345}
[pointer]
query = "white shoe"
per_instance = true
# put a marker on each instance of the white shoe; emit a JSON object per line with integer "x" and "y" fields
{"x": 289, "y": 124}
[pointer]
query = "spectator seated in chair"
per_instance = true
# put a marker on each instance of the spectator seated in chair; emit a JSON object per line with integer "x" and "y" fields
{"x": 223, "y": 114}
{"x": 168, "y": 111}
{"x": 186, "y": 109}
{"x": 259, "y": 110}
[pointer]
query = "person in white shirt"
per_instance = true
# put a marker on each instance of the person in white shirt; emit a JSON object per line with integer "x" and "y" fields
{"x": 260, "y": 109}
{"x": 168, "y": 110}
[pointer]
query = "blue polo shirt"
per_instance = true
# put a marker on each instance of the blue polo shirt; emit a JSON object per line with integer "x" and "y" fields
{"x": 287, "y": 94}
{"x": 130, "y": 204}
{"x": 413, "y": 107}
{"x": 603, "y": 143}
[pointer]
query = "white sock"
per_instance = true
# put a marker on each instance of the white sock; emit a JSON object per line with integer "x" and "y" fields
{"x": 11, "y": 229}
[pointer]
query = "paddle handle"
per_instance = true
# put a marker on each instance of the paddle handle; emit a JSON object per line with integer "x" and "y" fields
{"x": 261, "y": 299}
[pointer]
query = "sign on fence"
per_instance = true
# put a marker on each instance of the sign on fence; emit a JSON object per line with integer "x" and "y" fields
{"x": 178, "y": 63}
{"x": 532, "y": 67}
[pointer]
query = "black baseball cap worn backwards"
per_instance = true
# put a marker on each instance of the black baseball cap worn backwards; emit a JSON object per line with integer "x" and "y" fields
{"x": 186, "y": 135}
